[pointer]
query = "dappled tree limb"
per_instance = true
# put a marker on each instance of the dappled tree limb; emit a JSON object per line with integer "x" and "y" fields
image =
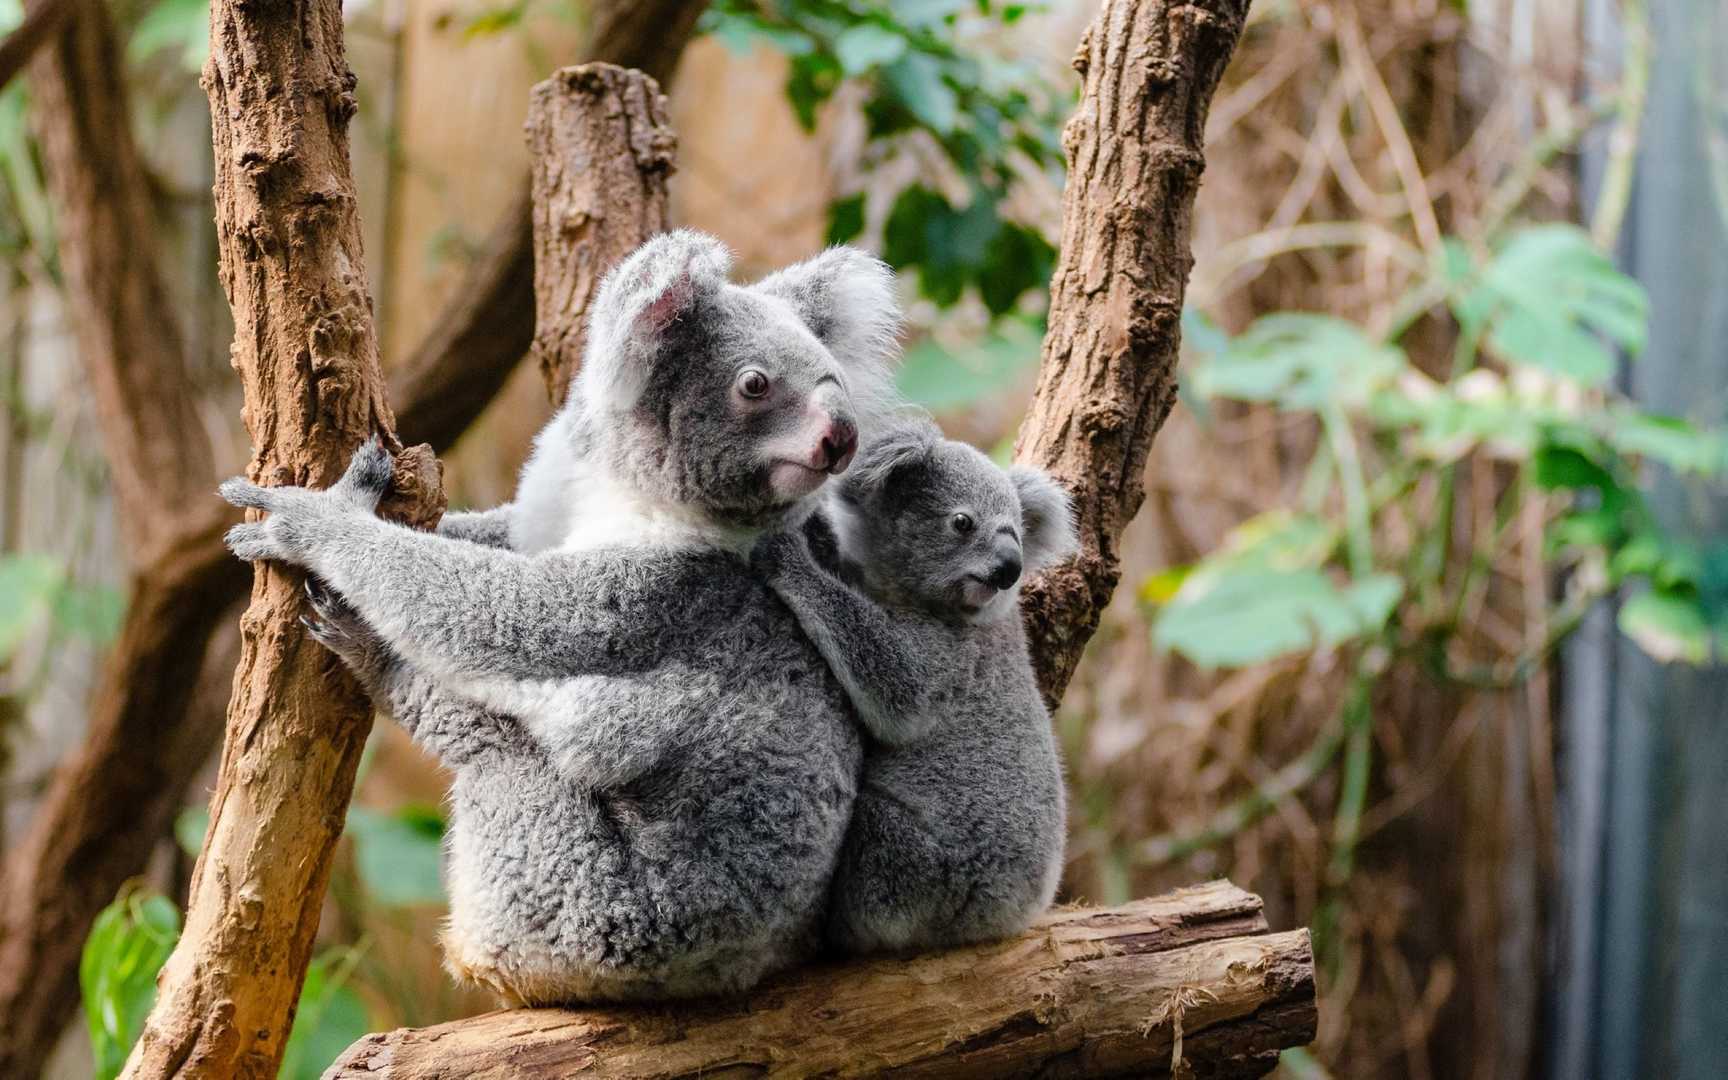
{"x": 42, "y": 18}
{"x": 305, "y": 346}
{"x": 109, "y": 801}
{"x": 467, "y": 355}
{"x": 1108, "y": 374}
{"x": 1087, "y": 992}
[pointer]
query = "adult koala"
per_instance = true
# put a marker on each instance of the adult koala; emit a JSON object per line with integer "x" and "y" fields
{"x": 649, "y": 800}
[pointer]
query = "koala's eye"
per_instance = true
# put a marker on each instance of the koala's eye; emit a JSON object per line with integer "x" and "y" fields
{"x": 963, "y": 524}
{"x": 752, "y": 383}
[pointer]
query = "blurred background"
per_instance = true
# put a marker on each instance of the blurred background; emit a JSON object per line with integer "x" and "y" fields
{"x": 1422, "y": 628}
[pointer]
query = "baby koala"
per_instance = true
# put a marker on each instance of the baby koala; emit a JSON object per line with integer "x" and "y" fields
{"x": 907, "y": 582}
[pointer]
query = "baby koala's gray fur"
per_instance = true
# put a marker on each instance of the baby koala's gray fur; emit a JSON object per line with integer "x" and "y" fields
{"x": 653, "y": 766}
{"x": 958, "y": 829}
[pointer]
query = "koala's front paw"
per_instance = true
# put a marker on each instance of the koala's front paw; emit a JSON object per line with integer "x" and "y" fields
{"x": 286, "y": 535}
{"x": 339, "y": 628}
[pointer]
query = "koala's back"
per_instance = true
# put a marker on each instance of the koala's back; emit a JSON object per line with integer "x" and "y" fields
{"x": 958, "y": 836}
{"x": 696, "y": 878}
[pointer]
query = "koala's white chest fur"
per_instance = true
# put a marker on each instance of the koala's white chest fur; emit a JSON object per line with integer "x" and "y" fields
{"x": 567, "y": 502}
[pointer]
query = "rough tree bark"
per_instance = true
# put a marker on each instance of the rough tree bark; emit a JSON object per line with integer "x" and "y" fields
{"x": 1192, "y": 976}
{"x": 151, "y": 728}
{"x": 281, "y": 96}
{"x": 602, "y": 151}
{"x": 468, "y": 354}
{"x": 1108, "y": 372}
{"x": 109, "y": 801}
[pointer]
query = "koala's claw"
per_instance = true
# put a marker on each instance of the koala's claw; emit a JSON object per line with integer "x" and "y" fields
{"x": 368, "y": 475}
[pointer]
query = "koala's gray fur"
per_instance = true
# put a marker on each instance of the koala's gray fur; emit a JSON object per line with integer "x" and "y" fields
{"x": 653, "y": 766}
{"x": 958, "y": 828}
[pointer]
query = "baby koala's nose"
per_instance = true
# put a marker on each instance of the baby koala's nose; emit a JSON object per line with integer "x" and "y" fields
{"x": 839, "y": 444}
{"x": 1005, "y": 573}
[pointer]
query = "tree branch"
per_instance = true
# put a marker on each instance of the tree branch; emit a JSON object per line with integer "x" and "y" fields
{"x": 41, "y": 20}
{"x": 1193, "y": 975}
{"x": 602, "y": 150}
{"x": 1108, "y": 374}
{"x": 288, "y": 230}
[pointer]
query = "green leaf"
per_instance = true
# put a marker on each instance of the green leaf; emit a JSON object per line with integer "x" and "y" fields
{"x": 181, "y": 26}
{"x": 28, "y": 584}
{"x": 845, "y": 218}
{"x": 330, "y": 1017}
{"x": 1551, "y": 298}
{"x": 128, "y": 943}
{"x": 92, "y": 612}
{"x": 1670, "y": 625}
{"x": 399, "y": 856}
{"x": 1563, "y": 467}
{"x": 940, "y": 380}
{"x": 1240, "y": 615}
{"x": 1300, "y": 361}
{"x": 868, "y": 45}
{"x": 1017, "y": 259}
{"x": 190, "y": 825}
{"x": 916, "y": 80}
{"x": 1670, "y": 440}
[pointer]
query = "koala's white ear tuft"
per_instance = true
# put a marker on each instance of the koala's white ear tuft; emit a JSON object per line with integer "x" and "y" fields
{"x": 889, "y": 457}
{"x": 659, "y": 283}
{"x": 1046, "y": 515}
{"x": 846, "y": 297}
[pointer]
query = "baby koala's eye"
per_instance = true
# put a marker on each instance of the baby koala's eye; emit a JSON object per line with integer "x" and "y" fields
{"x": 752, "y": 383}
{"x": 963, "y": 523}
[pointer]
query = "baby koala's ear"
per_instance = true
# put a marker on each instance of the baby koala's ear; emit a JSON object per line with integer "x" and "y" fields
{"x": 888, "y": 460}
{"x": 1047, "y": 517}
{"x": 846, "y": 297}
{"x": 661, "y": 282}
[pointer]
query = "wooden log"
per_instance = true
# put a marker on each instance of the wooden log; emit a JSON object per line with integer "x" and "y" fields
{"x": 1189, "y": 983}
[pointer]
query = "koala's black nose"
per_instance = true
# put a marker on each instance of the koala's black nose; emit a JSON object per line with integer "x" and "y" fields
{"x": 1005, "y": 573}
{"x": 839, "y": 444}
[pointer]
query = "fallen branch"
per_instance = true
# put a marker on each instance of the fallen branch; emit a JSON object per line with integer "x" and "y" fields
{"x": 1087, "y": 992}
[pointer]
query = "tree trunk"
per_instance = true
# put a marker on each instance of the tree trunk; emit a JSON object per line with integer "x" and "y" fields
{"x": 288, "y": 229}
{"x": 1192, "y": 977}
{"x": 1108, "y": 374}
{"x": 602, "y": 151}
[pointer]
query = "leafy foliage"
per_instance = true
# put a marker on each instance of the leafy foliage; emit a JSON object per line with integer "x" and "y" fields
{"x": 990, "y": 118}
{"x": 128, "y": 944}
{"x": 35, "y": 589}
{"x": 1550, "y": 308}
{"x": 130, "y": 941}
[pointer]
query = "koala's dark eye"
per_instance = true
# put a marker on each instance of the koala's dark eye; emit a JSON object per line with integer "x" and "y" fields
{"x": 752, "y": 383}
{"x": 963, "y": 524}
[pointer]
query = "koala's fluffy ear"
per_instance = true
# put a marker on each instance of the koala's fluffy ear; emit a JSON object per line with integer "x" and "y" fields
{"x": 846, "y": 297}
{"x": 892, "y": 456}
{"x": 1047, "y": 517}
{"x": 659, "y": 283}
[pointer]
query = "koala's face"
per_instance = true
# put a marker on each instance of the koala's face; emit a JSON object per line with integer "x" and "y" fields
{"x": 739, "y": 401}
{"x": 934, "y": 524}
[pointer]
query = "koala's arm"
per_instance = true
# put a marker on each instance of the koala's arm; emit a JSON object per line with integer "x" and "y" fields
{"x": 893, "y": 665}
{"x": 459, "y": 610}
{"x": 488, "y": 528}
{"x": 452, "y": 728}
